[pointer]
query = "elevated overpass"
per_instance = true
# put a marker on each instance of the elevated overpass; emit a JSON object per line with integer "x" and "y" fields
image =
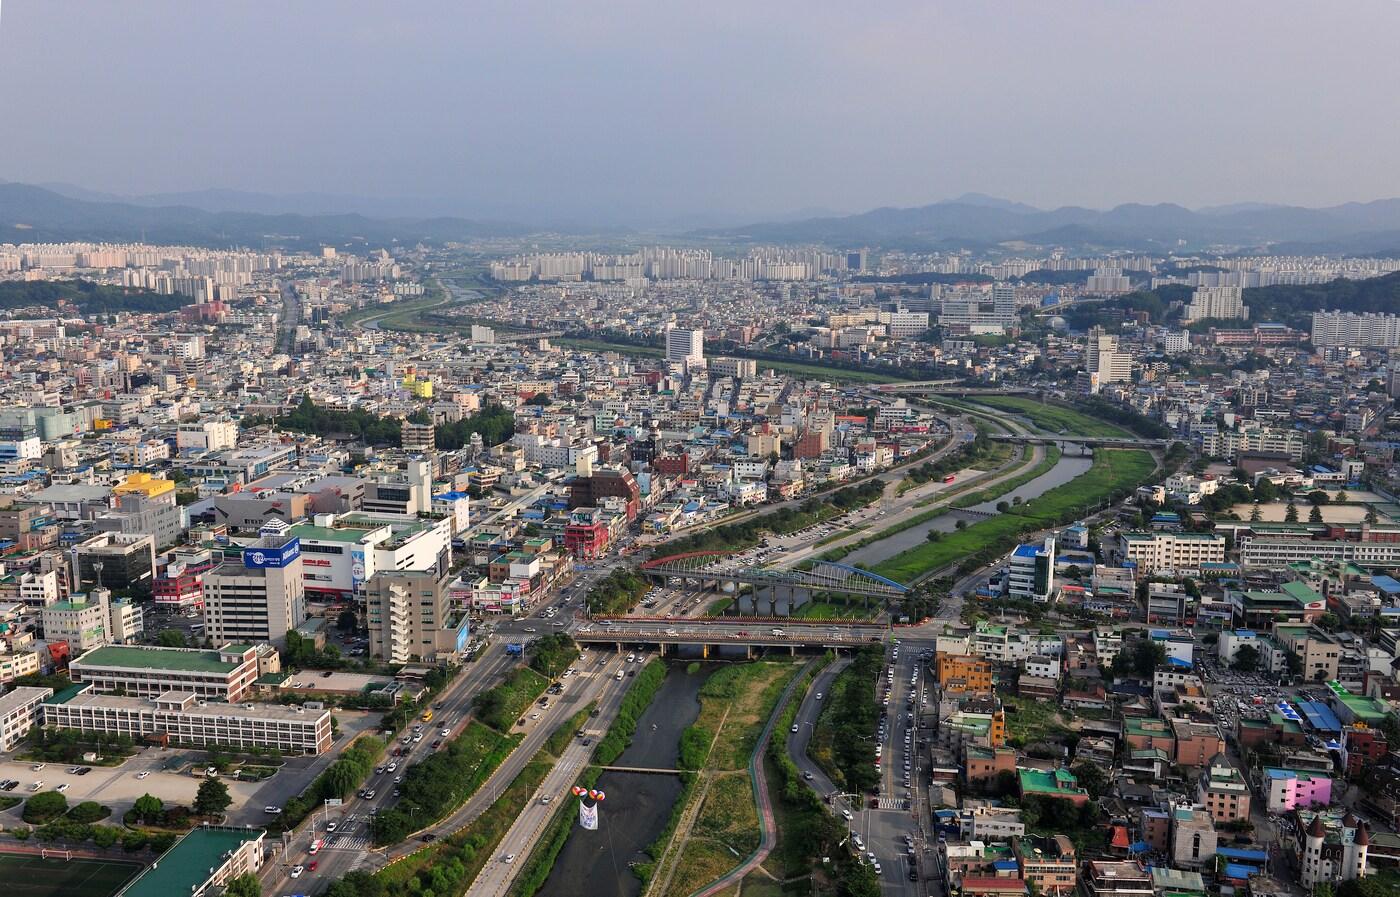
{"x": 727, "y": 635}
{"x": 1105, "y": 441}
{"x": 715, "y": 569}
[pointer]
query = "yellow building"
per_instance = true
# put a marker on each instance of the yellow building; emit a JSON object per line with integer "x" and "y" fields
{"x": 422, "y": 389}
{"x": 146, "y": 485}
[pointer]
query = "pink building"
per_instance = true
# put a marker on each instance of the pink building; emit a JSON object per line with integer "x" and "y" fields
{"x": 1288, "y": 789}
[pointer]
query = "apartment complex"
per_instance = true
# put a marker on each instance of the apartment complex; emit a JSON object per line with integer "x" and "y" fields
{"x": 1361, "y": 331}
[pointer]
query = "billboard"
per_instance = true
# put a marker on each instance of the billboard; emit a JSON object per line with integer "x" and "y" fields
{"x": 588, "y": 816}
{"x": 261, "y": 557}
{"x": 357, "y": 568}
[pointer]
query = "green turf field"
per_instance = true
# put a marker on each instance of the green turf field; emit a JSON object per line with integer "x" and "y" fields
{"x": 30, "y": 876}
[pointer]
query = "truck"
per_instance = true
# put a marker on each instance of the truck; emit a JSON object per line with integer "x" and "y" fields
{"x": 515, "y": 649}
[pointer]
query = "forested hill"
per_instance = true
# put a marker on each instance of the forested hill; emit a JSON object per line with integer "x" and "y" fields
{"x": 90, "y": 298}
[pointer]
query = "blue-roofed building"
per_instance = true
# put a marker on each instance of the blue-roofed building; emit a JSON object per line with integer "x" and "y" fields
{"x": 1031, "y": 571}
{"x": 1388, "y": 586}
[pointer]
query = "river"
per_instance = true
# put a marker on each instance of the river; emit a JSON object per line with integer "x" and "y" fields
{"x": 1068, "y": 467}
{"x": 637, "y": 805}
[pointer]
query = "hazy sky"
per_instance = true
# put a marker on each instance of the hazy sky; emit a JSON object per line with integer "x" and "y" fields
{"x": 741, "y": 109}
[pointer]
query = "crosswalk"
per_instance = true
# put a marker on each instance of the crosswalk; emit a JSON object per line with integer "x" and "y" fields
{"x": 347, "y": 842}
{"x": 891, "y": 803}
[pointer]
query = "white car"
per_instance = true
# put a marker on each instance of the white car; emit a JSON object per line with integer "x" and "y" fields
{"x": 508, "y": 858}
{"x": 142, "y": 775}
{"x": 62, "y": 788}
{"x": 297, "y": 871}
{"x": 272, "y": 811}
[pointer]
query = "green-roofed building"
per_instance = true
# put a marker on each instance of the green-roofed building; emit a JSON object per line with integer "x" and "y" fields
{"x": 200, "y": 863}
{"x": 1058, "y": 783}
{"x": 225, "y": 674}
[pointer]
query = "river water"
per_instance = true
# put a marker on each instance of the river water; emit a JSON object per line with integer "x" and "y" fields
{"x": 1069, "y": 467}
{"x": 637, "y": 805}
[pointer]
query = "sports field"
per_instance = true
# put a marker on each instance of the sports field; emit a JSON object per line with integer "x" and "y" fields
{"x": 30, "y": 876}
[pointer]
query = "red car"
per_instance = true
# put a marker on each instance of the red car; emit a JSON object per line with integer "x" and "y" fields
{"x": 312, "y": 865}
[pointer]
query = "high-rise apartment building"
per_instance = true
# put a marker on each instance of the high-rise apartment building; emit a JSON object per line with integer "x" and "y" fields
{"x": 1211, "y": 303}
{"x": 685, "y": 346}
{"x": 1103, "y": 357}
{"x": 1368, "y": 331}
{"x": 410, "y": 614}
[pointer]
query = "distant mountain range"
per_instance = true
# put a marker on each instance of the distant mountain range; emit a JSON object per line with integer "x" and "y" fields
{"x": 978, "y": 219}
{"x": 56, "y": 212}
{"x": 36, "y": 214}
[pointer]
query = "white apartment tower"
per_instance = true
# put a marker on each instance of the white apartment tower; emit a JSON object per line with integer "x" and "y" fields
{"x": 685, "y": 347}
{"x": 1216, "y": 302}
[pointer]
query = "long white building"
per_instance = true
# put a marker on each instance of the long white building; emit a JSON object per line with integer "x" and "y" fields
{"x": 1365, "y": 331}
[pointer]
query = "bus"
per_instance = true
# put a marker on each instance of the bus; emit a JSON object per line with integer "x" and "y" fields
{"x": 428, "y": 715}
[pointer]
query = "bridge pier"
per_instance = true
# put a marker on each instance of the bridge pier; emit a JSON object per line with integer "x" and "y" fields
{"x": 704, "y": 652}
{"x": 661, "y": 650}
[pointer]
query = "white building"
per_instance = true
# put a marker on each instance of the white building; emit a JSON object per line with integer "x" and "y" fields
{"x": 1209, "y": 303}
{"x": 1172, "y": 551}
{"x": 19, "y": 710}
{"x": 207, "y": 435}
{"x": 1362, "y": 331}
{"x": 1031, "y": 571}
{"x": 261, "y": 597}
{"x": 685, "y": 347}
{"x": 185, "y": 718}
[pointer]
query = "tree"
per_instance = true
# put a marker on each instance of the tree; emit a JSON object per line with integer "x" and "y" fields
{"x": 1265, "y": 491}
{"x": 170, "y": 638}
{"x": 213, "y": 798}
{"x": 1342, "y": 497}
{"x": 44, "y": 806}
{"x": 1246, "y": 659}
{"x": 1371, "y": 516}
{"x": 1318, "y": 497}
{"x": 105, "y": 836}
{"x": 1256, "y": 514}
{"x": 1315, "y": 515}
{"x": 245, "y": 885}
{"x": 1091, "y": 778}
{"x": 1003, "y": 507}
{"x": 149, "y": 808}
{"x": 346, "y": 622}
{"x": 1290, "y": 514}
{"x": 960, "y": 524}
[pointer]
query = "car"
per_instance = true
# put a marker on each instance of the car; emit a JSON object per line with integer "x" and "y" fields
{"x": 327, "y": 674}
{"x": 37, "y": 766}
{"x": 331, "y": 826}
{"x": 530, "y": 630}
{"x": 369, "y": 795}
{"x": 819, "y": 696}
{"x": 73, "y": 770}
{"x": 271, "y": 810}
{"x": 427, "y": 837}
{"x": 587, "y": 742}
{"x": 84, "y": 770}
{"x": 445, "y": 733}
{"x": 142, "y": 775}
{"x": 807, "y": 775}
{"x": 437, "y": 743}
{"x": 297, "y": 871}
{"x": 846, "y": 814}
{"x": 508, "y": 858}
{"x": 379, "y": 770}
{"x": 311, "y": 866}
{"x": 547, "y": 799}
{"x": 391, "y": 767}
{"x": 398, "y": 779}
{"x": 795, "y": 727}
{"x": 62, "y": 788}
{"x": 210, "y": 771}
